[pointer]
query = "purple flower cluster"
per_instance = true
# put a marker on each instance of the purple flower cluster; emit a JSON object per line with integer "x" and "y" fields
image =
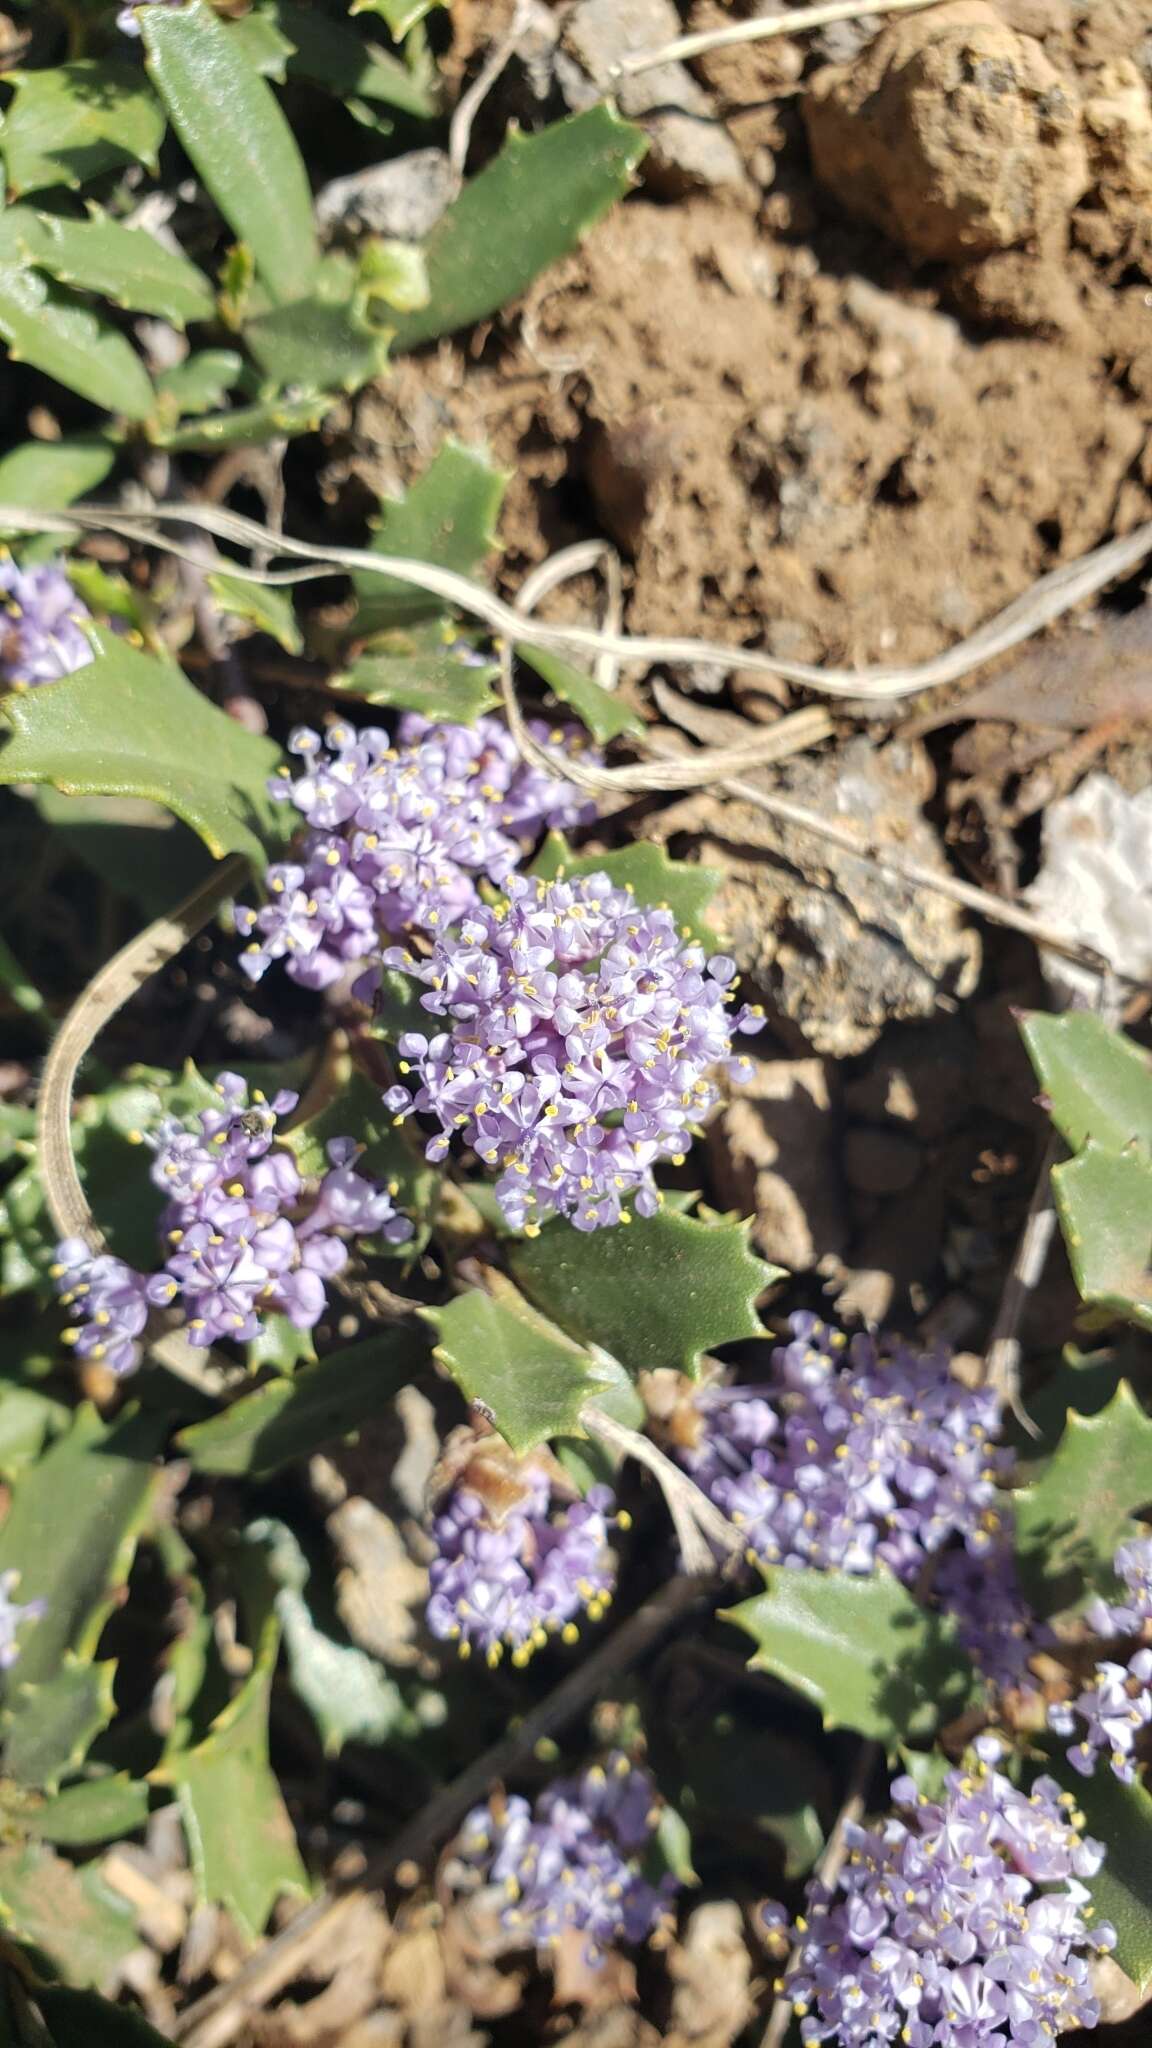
{"x": 516, "y": 1562}
{"x": 399, "y": 834}
{"x": 43, "y": 637}
{"x": 938, "y": 1934}
{"x": 572, "y": 1861}
{"x": 12, "y": 1613}
{"x": 242, "y": 1237}
{"x": 583, "y": 1034}
{"x": 1116, "y": 1705}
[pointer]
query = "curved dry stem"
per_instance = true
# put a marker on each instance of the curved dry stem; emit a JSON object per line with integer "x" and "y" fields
{"x": 796, "y": 22}
{"x": 700, "y": 1526}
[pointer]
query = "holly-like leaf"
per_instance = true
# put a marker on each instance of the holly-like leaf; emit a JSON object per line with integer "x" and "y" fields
{"x": 230, "y": 124}
{"x": 734, "y": 1778}
{"x": 1104, "y": 1202}
{"x": 1070, "y": 1522}
{"x": 50, "y": 1728}
{"x": 657, "y": 1293}
{"x": 133, "y": 725}
{"x": 605, "y": 715}
{"x": 1098, "y": 1083}
{"x": 126, "y": 265}
{"x": 47, "y": 475}
{"x": 58, "y": 333}
{"x": 448, "y": 517}
{"x": 270, "y": 611}
{"x": 292, "y": 1418}
{"x": 318, "y": 341}
{"x": 526, "y": 1374}
{"x": 246, "y": 426}
{"x": 680, "y": 886}
{"x": 400, "y": 15}
{"x": 439, "y": 684}
{"x": 101, "y": 1810}
{"x": 1120, "y": 1816}
{"x": 77, "y": 1560}
{"x": 554, "y": 185}
{"x": 81, "y": 2019}
{"x": 27, "y": 1419}
{"x": 861, "y": 1650}
{"x": 138, "y": 849}
{"x": 201, "y": 381}
{"x": 330, "y": 54}
{"x": 74, "y": 121}
{"x": 73, "y": 1917}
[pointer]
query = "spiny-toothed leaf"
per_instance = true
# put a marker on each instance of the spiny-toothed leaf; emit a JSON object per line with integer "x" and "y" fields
{"x": 332, "y": 55}
{"x": 49, "y": 327}
{"x": 280, "y": 1345}
{"x": 606, "y": 716}
{"x": 201, "y": 381}
{"x": 1104, "y": 1202}
{"x": 400, "y": 15}
{"x": 241, "y": 1841}
{"x": 126, "y": 265}
{"x": 1120, "y": 1816}
{"x": 1098, "y": 1083}
{"x": 263, "y": 42}
{"x": 49, "y": 1728}
{"x": 1070, "y": 1522}
{"x": 270, "y": 611}
{"x": 77, "y": 1561}
{"x": 861, "y": 1650}
{"x": 27, "y": 1419}
{"x": 447, "y": 517}
{"x": 73, "y": 1917}
{"x": 658, "y": 1292}
{"x": 73, "y": 122}
{"x": 232, "y": 128}
{"x": 531, "y": 1379}
{"x": 681, "y": 887}
{"x": 548, "y": 189}
{"x": 290, "y": 1419}
{"x": 247, "y": 426}
{"x": 318, "y": 341}
{"x": 44, "y": 476}
{"x": 133, "y": 725}
{"x": 81, "y": 2019}
{"x": 438, "y": 684}
{"x": 101, "y": 1810}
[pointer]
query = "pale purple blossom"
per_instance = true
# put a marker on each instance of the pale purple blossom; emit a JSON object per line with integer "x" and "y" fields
{"x": 12, "y": 1614}
{"x": 1110, "y": 1715}
{"x": 399, "y": 835}
{"x": 572, "y": 1862}
{"x": 43, "y": 636}
{"x": 583, "y": 1037}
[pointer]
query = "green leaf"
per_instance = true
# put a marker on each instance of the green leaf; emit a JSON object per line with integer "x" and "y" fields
{"x": 861, "y": 1650}
{"x": 47, "y": 475}
{"x": 658, "y": 1293}
{"x": 606, "y": 716}
{"x": 1098, "y": 1083}
{"x": 1121, "y": 1817}
{"x": 270, "y": 611}
{"x": 133, "y": 725}
{"x": 72, "y": 1916}
{"x": 290, "y": 1419}
{"x": 27, "y": 1419}
{"x": 79, "y": 2019}
{"x": 48, "y": 327}
{"x": 529, "y": 1377}
{"x": 127, "y": 265}
{"x": 334, "y": 56}
{"x": 102, "y": 1810}
{"x": 50, "y": 1728}
{"x": 685, "y": 889}
{"x": 281, "y": 1346}
{"x": 247, "y": 425}
{"x": 232, "y": 128}
{"x": 240, "y": 1838}
{"x": 390, "y": 1154}
{"x": 77, "y": 1561}
{"x": 553, "y": 187}
{"x": 449, "y": 518}
{"x": 201, "y": 381}
{"x": 400, "y": 15}
{"x": 263, "y": 42}
{"x": 734, "y": 1778}
{"x": 72, "y": 122}
{"x": 22, "y": 993}
{"x": 440, "y": 685}
{"x": 137, "y": 848}
{"x": 1104, "y": 1202}
{"x": 1070, "y": 1523}
{"x": 318, "y": 341}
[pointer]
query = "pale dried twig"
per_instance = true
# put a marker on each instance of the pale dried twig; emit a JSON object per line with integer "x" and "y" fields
{"x": 698, "y": 1523}
{"x": 469, "y": 104}
{"x": 797, "y": 21}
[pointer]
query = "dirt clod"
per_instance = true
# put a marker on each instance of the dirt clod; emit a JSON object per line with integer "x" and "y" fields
{"x": 773, "y": 1155}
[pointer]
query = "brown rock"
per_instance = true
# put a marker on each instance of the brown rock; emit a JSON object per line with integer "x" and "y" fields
{"x": 953, "y": 133}
{"x": 771, "y": 1151}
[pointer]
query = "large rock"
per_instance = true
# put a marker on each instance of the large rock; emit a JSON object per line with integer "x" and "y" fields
{"x": 953, "y": 133}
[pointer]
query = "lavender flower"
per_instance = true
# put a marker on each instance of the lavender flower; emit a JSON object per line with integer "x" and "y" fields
{"x": 11, "y": 1616}
{"x": 43, "y": 639}
{"x": 127, "y": 21}
{"x": 938, "y": 1933}
{"x": 242, "y": 1236}
{"x": 519, "y": 1557}
{"x": 572, "y": 1861}
{"x": 1115, "y": 1706}
{"x": 398, "y": 837}
{"x": 582, "y": 1036}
